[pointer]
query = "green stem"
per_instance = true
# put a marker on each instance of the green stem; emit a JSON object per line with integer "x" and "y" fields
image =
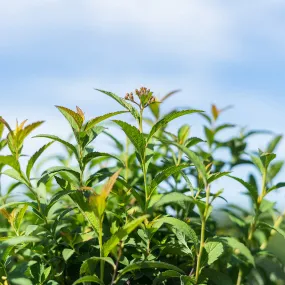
{"x": 239, "y": 279}
{"x": 259, "y": 201}
{"x": 141, "y": 120}
{"x": 202, "y": 241}
{"x": 145, "y": 185}
{"x": 102, "y": 263}
{"x": 202, "y": 238}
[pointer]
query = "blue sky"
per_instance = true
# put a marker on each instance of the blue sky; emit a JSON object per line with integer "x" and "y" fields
{"x": 224, "y": 52}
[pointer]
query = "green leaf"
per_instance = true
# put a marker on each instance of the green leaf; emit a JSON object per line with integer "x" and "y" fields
{"x": 187, "y": 280}
{"x": 1, "y": 128}
{"x": 224, "y": 126}
{"x": 238, "y": 248}
{"x": 209, "y": 135}
{"x": 91, "y": 279}
{"x": 18, "y": 240}
{"x": 123, "y": 103}
{"x": 74, "y": 119}
{"x": 15, "y": 175}
{"x": 11, "y": 161}
{"x": 277, "y": 186}
{"x": 148, "y": 265}
{"x": 165, "y": 275}
{"x": 55, "y": 138}
{"x": 180, "y": 226}
{"x": 27, "y": 130}
{"x": 52, "y": 171}
{"x": 155, "y": 109}
{"x": 274, "y": 143}
{"x": 21, "y": 281}
{"x": 214, "y": 176}
{"x": 90, "y": 124}
{"x": 168, "y": 118}
{"x": 258, "y": 163}
{"x": 193, "y": 141}
{"x": 198, "y": 163}
{"x": 134, "y": 136}
{"x": 217, "y": 277}
{"x": 212, "y": 251}
{"x": 251, "y": 189}
{"x": 87, "y": 158}
{"x": 34, "y": 158}
{"x": 164, "y": 174}
{"x": 88, "y": 263}
{"x": 266, "y": 158}
{"x": 183, "y": 133}
{"x": 174, "y": 197}
{"x": 20, "y": 216}
{"x": 121, "y": 233}
{"x": 67, "y": 253}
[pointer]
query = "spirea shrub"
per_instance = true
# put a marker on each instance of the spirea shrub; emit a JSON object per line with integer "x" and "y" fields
{"x": 145, "y": 213}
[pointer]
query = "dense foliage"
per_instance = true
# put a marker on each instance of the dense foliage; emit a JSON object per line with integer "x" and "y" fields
{"x": 143, "y": 214}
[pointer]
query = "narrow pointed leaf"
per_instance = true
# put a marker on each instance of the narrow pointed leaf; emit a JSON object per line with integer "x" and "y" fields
{"x": 168, "y": 118}
{"x": 95, "y": 154}
{"x": 134, "y": 136}
{"x": 90, "y": 124}
{"x": 34, "y": 158}
{"x": 92, "y": 279}
{"x": 148, "y": 265}
{"x": 164, "y": 174}
{"x": 74, "y": 119}
{"x": 55, "y": 138}
{"x": 121, "y": 233}
{"x": 180, "y": 226}
{"x": 251, "y": 189}
{"x": 123, "y": 103}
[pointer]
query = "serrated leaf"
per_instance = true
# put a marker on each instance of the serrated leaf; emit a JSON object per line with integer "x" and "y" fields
{"x": 55, "y": 138}
{"x": 277, "y": 186}
{"x": 11, "y": 161}
{"x": 168, "y": 118}
{"x": 26, "y": 131}
{"x": 238, "y": 248}
{"x": 213, "y": 250}
{"x": 20, "y": 216}
{"x": 34, "y": 158}
{"x": 86, "y": 264}
{"x": 148, "y": 265}
{"x": 123, "y": 103}
{"x": 165, "y": 275}
{"x": 90, "y": 124}
{"x": 164, "y": 174}
{"x": 251, "y": 189}
{"x": 74, "y": 119}
{"x": 15, "y": 175}
{"x": 121, "y": 233}
{"x": 214, "y": 176}
{"x": 174, "y": 197}
{"x": 198, "y": 163}
{"x": 88, "y": 157}
{"x": 92, "y": 279}
{"x": 179, "y": 225}
{"x": 134, "y": 136}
